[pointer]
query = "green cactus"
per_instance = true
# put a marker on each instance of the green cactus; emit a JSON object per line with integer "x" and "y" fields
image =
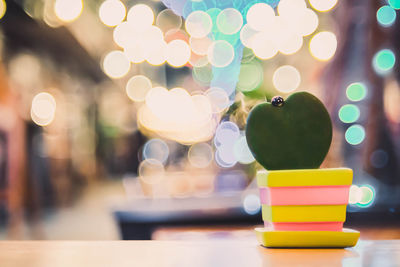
{"x": 291, "y": 134}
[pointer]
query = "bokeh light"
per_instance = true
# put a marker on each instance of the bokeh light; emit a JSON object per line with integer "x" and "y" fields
{"x": 124, "y": 34}
{"x": 250, "y": 77}
{"x": 362, "y": 196}
{"x": 203, "y": 74}
{"x": 156, "y": 149}
{"x": 218, "y": 98}
{"x": 176, "y": 34}
{"x": 260, "y": 16}
{"x": 251, "y": 204}
{"x": 68, "y": 10}
{"x": 386, "y": 16}
{"x": 112, "y": 12}
{"x": 291, "y": 44}
{"x": 167, "y": 20}
{"x": 156, "y": 53}
{"x": 229, "y": 21}
{"x": 283, "y": 34}
{"x": 200, "y": 45}
{"x": 198, "y": 24}
{"x": 383, "y": 61}
{"x": 355, "y": 194}
{"x": 43, "y": 109}
{"x": 306, "y": 22}
{"x": 151, "y": 171}
{"x": 226, "y": 134}
{"x": 290, "y": 8}
{"x": 152, "y": 35}
{"x": 247, "y": 35}
{"x": 115, "y": 64}
{"x": 178, "y": 53}
{"x": 355, "y": 134}
{"x": 3, "y": 8}
{"x": 286, "y": 79}
{"x": 220, "y": 54}
{"x": 394, "y": 4}
{"x": 224, "y": 157}
{"x": 176, "y": 115}
{"x": 213, "y": 13}
{"x": 242, "y": 151}
{"x": 356, "y": 91}
{"x": 198, "y": 61}
{"x": 140, "y": 17}
{"x": 200, "y": 155}
{"x": 323, "y": 46}
{"x": 349, "y": 113}
{"x": 368, "y": 195}
{"x": 323, "y": 5}
{"x": 263, "y": 46}
{"x": 379, "y": 158}
{"x": 135, "y": 52}
{"x": 137, "y": 88}
{"x": 156, "y": 97}
{"x": 248, "y": 55}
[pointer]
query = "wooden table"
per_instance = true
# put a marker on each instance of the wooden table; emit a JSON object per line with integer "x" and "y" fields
{"x": 189, "y": 253}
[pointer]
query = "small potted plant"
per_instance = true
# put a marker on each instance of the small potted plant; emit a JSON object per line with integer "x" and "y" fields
{"x": 302, "y": 205}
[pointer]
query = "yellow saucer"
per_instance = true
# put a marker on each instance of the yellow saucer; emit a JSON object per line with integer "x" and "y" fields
{"x": 307, "y": 239}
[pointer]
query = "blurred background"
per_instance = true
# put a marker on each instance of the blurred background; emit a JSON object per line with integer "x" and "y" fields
{"x": 125, "y": 119}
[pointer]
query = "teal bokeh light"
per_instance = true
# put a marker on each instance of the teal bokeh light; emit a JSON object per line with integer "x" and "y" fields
{"x": 367, "y": 197}
{"x": 356, "y": 91}
{"x": 394, "y": 4}
{"x": 214, "y": 12}
{"x": 386, "y": 16}
{"x": 383, "y": 61}
{"x": 349, "y": 113}
{"x": 355, "y": 134}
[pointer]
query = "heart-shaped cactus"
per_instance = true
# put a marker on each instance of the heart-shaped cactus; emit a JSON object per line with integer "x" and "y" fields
{"x": 295, "y": 133}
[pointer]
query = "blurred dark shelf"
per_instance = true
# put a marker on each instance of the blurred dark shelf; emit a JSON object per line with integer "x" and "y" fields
{"x": 138, "y": 220}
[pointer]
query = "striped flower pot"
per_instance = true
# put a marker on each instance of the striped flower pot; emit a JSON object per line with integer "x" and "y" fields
{"x": 302, "y": 201}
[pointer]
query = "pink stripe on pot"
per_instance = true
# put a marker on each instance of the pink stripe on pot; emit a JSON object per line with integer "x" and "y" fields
{"x": 305, "y": 195}
{"x": 307, "y": 226}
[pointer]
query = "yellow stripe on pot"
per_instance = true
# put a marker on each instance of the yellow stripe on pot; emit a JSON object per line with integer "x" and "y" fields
{"x": 314, "y": 213}
{"x": 306, "y": 177}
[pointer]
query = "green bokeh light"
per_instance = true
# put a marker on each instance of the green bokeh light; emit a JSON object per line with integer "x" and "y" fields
{"x": 394, "y": 4}
{"x": 229, "y": 21}
{"x": 250, "y": 77}
{"x": 355, "y": 134}
{"x": 383, "y": 61}
{"x": 356, "y": 91}
{"x": 248, "y": 55}
{"x": 203, "y": 75}
{"x": 349, "y": 113}
{"x": 386, "y": 16}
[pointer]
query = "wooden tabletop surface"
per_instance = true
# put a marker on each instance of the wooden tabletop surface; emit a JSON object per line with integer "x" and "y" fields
{"x": 189, "y": 253}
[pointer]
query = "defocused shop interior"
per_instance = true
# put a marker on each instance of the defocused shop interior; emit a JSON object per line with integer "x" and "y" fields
{"x": 116, "y": 121}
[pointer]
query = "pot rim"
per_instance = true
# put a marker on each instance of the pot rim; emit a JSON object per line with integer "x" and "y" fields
{"x": 305, "y": 177}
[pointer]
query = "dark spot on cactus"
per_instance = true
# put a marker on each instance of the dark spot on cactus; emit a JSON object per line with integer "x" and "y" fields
{"x": 277, "y": 101}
